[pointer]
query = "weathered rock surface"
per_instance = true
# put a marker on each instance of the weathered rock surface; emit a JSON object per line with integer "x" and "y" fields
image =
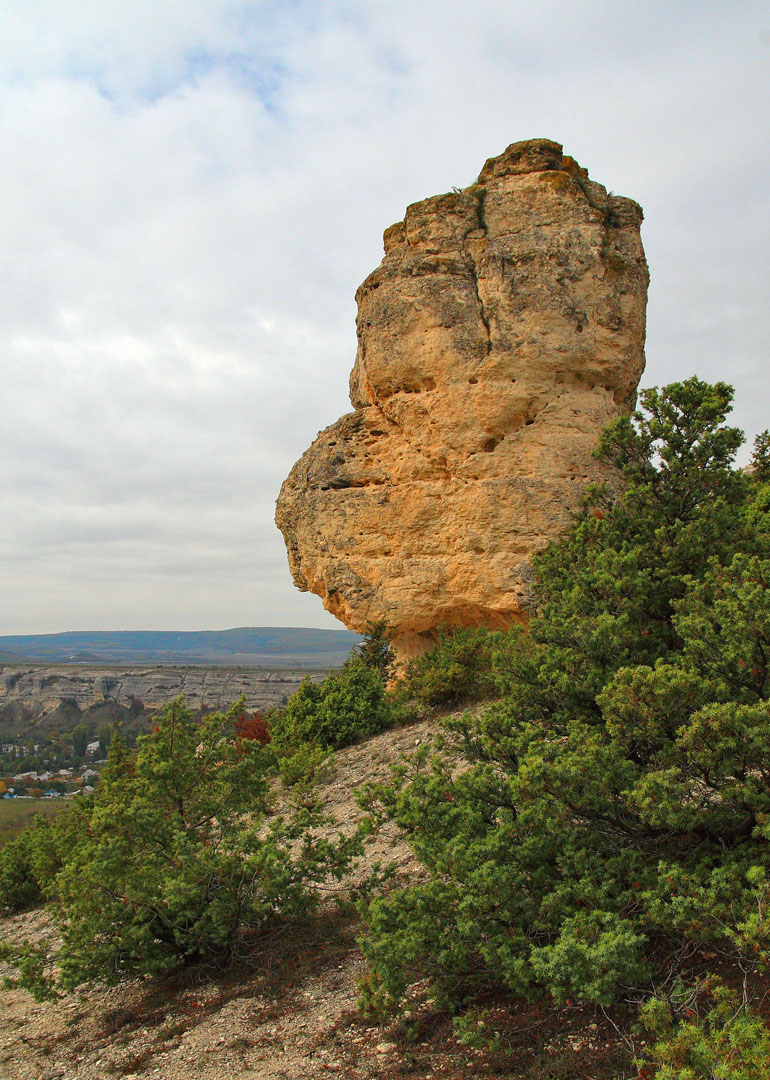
{"x": 502, "y": 331}
{"x": 42, "y": 689}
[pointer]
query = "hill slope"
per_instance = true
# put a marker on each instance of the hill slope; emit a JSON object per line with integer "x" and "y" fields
{"x": 288, "y": 1011}
{"x": 271, "y": 645}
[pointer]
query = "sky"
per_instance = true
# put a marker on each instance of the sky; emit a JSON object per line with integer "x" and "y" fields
{"x": 192, "y": 190}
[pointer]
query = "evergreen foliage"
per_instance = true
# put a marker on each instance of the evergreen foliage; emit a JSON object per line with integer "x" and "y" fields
{"x": 611, "y": 825}
{"x": 80, "y": 737}
{"x": 350, "y": 704}
{"x": 178, "y": 856}
{"x": 377, "y": 653}
{"x": 458, "y": 670}
{"x": 35, "y": 856}
{"x": 726, "y": 1042}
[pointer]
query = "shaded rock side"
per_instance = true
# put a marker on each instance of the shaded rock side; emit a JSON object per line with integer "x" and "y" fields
{"x": 502, "y": 331}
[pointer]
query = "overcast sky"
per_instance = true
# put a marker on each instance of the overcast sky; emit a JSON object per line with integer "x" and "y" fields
{"x": 192, "y": 190}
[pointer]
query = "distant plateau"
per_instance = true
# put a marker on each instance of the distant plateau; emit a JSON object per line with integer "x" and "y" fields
{"x": 251, "y": 646}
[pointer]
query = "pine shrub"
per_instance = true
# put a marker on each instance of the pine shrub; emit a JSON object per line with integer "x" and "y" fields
{"x": 349, "y": 705}
{"x": 611, "y": 825}
{"x": 179, "y": 857}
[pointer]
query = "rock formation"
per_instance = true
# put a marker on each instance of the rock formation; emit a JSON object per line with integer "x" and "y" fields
{"x": 42, "y": 689}
{"x": 502, "y": 331}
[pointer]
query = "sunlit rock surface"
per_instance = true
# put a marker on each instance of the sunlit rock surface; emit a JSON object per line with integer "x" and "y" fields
{"x": 502, "y": 331}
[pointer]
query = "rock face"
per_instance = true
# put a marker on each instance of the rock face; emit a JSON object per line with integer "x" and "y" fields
{"x": 502, "y": 331}
{"x": 43, "y": 689}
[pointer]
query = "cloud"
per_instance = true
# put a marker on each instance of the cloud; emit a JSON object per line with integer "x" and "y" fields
{"x": 190, "y": 194}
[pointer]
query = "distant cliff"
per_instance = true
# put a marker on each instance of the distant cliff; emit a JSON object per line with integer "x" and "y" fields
{"x": 46, "y": 697}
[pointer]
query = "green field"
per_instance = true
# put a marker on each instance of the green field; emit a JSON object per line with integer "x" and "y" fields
{"x": 16, "y": 814}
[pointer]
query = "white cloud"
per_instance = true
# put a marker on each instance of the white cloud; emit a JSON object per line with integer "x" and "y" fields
{"x": 190, "y": 193}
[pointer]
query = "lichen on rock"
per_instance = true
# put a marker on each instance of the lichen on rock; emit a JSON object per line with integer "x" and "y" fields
{"x": 502, "y": 331}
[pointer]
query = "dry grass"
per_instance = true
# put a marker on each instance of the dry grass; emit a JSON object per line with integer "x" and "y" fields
{"x": 17, "y": 814}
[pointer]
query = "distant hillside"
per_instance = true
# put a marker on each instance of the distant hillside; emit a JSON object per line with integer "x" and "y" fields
{"x": 272, "y": 646}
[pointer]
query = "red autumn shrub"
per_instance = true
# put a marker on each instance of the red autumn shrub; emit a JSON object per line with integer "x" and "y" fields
{"x": 252, "y": 726}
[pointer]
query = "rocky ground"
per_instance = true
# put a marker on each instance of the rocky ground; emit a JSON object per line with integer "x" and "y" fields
{"x": 287, "y": 1010}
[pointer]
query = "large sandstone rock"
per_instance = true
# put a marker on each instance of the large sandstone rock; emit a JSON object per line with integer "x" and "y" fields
{"x": 502, "y": 331}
